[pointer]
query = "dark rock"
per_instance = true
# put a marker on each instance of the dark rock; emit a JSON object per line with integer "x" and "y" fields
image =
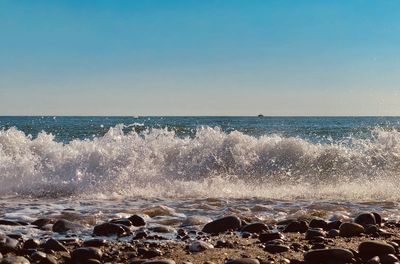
{"x": 296, "y": 226}
{"x": 371, "y": 229}
{"x": 388, "y": 259}
{"x": 243, "y": 261}
{"x": 255, "y": 228}
{"x": 333, "y": 233}
{"x": 108, "y": 229}
{"x": 9, "y": 222}
{"x": 374, "y": 260}
{"x": 85, "y": 253}
{"x": 318, "y": 223}
{"x": 15, "y": 236}
{"x": 96, "y": 242}
{"x": 162, "y": 229}
{"x": 54, "y": 245}
{"x": 333, "y": 225}
{"x": 223, "y": 224}
{"x": 15, "y": 260}
{"x": 268, "y": 236}
{"x": 42, "y": 222}
{"x": 160, "y": 261}
{"x": 122, "y": 221}
{"x": 325, "y": 255}
{"x": 365, "y": 219}
{"x": 31, "y": 243}
{"x": 369, "y": 249}
{"x": 311, "y": 233}
{"x": 378, "y": 218}
{"x": 149, "y": 253}
{"x": 140, "y": 235}
{"x": 62, "y": 226}
{"x": 137, "y": 220}
{"x": 8, "y": 244}
{"x": 350, "y": 229}
{"x": 198, "y": 246}
{"x": 271, "y": 248}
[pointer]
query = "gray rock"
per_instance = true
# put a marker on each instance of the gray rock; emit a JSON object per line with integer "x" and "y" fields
{"x": 223, "y": 224}
{"x": 369, "y": 249}
{"x": 350, "y": 229}
{"x": 325, "y": 255}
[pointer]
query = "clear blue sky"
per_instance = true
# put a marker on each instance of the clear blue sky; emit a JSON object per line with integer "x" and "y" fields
{"x": 199, "y": 57}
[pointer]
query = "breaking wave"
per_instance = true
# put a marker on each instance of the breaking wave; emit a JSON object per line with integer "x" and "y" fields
{"x": 212, "y": 163}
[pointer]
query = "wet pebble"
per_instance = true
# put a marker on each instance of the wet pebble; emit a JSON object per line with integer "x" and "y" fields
{"x": 14, "y": 260}
{"x": 31, "y": 243}
{"x": 85, "y": 253}
{"x": 62, "y": 226}
{"x": 296, "y": 226}
{"x": 223, "y": 224}
{"x": 318, "y": 223}
{"x": 255, "y": 228}
{"x": 137, "y": 220}
{"x": 54, "y": 245}
{"x": 96, "y": 242}
{"x": 268, "y": 236}
{"x": 108, "y": 229}
{"x": 198, "y": 246}
{"x": 8, "y": 244}
{"x": 325, "y": 255}
{"x": 365, "y": 219}
{"x": 313, "y": 232}
{"x": 369, "y": 249}
{"x": 350, "y": 229}
{"x": 272, "y": 248}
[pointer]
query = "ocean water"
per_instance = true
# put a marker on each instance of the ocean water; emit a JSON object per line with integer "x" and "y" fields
{"x": 172, "y": 168}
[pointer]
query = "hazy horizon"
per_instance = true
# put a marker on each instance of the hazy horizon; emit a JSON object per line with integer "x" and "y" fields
{"x": 200, "y": 58}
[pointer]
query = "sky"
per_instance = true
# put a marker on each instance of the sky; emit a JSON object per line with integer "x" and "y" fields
{"x": 204, "y": 57}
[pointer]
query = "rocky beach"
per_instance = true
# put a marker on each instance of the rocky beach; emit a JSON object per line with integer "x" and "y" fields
{"x": 366, "y": 238}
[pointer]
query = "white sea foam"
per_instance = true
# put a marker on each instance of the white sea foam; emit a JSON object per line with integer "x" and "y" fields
{"x": 213, "y": 163}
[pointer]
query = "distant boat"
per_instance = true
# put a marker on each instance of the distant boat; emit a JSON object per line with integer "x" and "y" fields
{"x": 260, "y": 115}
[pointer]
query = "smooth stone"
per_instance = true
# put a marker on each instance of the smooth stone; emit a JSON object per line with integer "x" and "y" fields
{"x": 333, "y": 225}
{"x": 318, "y": 223}
{"x": 378, "y": 218}
{"x": 122, "y": 221}
{"x": 333, "y": 233}
{"x": 255, "y": 228}
{"x": 137, "y": 220}
{"x": 43, "y": 221}
{"x": 54, "y": 245}
{"x": 273, "y": 248}
{"x": 374, "y": 260}
{"x": 14, "y": 260}
{"x": 198, "y": 246}
{"x": 268, "y": 236}
{"x": 85, "y": 253}
{"x": 311, "y": 233}
{"x": 365, "y": 219}
{"x": 371, "y": 229}
{"x": 243, "y": 261}
{"x": 96, "y": 242}
{"x": 369, "y": 249}
{"x": 388, "y": 259}
{"x": 62, "y": 226}
{"x": 8, "y": 244}
{"x": 350, "y": 229}
{"x": 162, "y": 229}
{"x": 296, "y": 226}
{"x": 31, "y": 243}
{"x": 325, "y": 255}
{"x": 43, "y": 258}
{"x": 9, "y": 222}
{"x": 223, "y": 224}
{"x": 108, "y": 229}
{"x": 160, "y": 261}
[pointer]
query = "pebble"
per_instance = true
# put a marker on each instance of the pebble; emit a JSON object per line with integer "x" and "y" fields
{"x": 388, "y": 259}
{"x": 223, "y": 224}
{"x": 85, "y": 253}
{"x": 325, "y": 255}
{"x": 369, "y": 249}
{"x": 311, "y": 233}
{"x": 255, "y": 228}
{"x": 96, "y": 242}
{"x": 318, "y": 223}
{"x": 8, "y": 244}
{"x": 350, "y": 229}
{"x": 108, "y": 229}
{"x": 160, "y": 261}
{"x": 296, "y": 226}
{"x": 54, "y": 245}
{"x": 333, "y": 225}
{"x": 272, "y": 248}
{"x": 122, "y": 221}
{"x": 62, "y": 226}
{"x": 198, "y": 246}
{"x": 43, "y": 222}
{"x": 365, "y": 219}
{"x": 243, "y": 261}
{"x": 268, "y": 236}
{"x": 137, "y": 220}
{"x": 15, "y": 260}
{"x": 9, "y": 222}
{"x": 333, "y": 233}
{"x": 31, "y": 243}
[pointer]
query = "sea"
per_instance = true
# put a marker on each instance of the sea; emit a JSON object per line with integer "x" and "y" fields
{"x": 188, "y": 170}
